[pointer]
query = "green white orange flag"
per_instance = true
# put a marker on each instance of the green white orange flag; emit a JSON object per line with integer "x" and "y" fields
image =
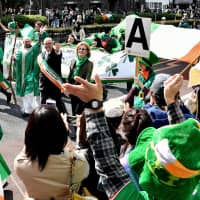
{"x": 170, "y": 42}
{"x": 1, "y": 190}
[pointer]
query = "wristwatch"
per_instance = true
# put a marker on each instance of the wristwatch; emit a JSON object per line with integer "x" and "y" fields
{"x": 94, "y": 104}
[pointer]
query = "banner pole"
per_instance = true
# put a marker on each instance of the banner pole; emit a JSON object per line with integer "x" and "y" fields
{"x": 11, "y": 62}
{"x": 137, "y": 66}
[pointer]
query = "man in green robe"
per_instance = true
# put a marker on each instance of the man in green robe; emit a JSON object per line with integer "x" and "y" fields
{"x": 27, "y": 76}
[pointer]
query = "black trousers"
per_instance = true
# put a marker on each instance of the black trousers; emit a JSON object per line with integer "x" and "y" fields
{"x": 58, "y": 98}
{"x": 77, "y": 105}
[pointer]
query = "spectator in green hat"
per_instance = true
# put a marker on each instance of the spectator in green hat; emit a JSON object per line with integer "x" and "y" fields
{"x": 115, "y": 180}
{"x": 12, "y": 27}
{"x": 144, "y": 80}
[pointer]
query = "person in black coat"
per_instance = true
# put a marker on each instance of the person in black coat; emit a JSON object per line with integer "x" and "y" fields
{"x": 47, "y": 89}
{"x": 80, "y": 66}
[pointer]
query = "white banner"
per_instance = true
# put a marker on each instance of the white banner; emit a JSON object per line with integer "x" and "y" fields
{"x": 8, "y": 49}
{"x": 110, "y": 67}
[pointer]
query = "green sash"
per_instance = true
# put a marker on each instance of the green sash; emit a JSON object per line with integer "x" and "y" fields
{"x": 49, "y": 72}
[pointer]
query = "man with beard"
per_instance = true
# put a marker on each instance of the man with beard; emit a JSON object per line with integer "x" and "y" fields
{"x": 26, "y": 73}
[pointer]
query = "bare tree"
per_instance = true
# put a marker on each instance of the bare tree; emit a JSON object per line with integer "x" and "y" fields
{"x": 41, "y": 4}
{"x": 1, "y": 10}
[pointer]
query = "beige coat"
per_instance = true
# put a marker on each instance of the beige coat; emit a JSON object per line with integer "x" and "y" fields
{"x": 54, "y": 180}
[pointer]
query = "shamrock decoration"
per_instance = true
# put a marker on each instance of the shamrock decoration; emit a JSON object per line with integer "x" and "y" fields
{"x": 112, "y": 69}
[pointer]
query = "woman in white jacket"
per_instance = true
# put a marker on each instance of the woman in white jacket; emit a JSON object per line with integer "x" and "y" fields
{"x": 44, "y": 164}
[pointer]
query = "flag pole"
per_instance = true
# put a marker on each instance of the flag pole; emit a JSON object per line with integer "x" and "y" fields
{"x": 137, "y": 66}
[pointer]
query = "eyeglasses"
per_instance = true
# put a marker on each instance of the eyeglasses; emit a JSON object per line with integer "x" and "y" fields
{"x": 82, "y": 49}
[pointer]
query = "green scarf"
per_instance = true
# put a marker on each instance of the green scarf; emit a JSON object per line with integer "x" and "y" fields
{"x": 79, "y": 63}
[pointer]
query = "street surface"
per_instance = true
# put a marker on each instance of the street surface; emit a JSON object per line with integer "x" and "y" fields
{"x": 13, "y": 124}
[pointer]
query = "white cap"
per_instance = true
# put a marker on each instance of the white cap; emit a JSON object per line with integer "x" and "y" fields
{"x": 114, "y": 107}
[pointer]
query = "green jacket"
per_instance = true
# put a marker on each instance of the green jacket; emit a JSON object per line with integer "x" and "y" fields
{"x": 147, "y": 83}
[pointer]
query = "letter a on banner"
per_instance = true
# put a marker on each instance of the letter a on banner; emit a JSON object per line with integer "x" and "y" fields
{"x": 137, "y": 35}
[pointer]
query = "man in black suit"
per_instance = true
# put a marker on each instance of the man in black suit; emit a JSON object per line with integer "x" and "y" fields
{"x": 47, "y": 89}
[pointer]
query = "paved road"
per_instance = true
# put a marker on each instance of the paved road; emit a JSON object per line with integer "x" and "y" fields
{"x": 14, "y": 125}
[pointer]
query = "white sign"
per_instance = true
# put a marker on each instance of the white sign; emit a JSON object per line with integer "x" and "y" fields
{"x": 137, "y": 36}
{"x": 8, "y": 50}
{"x": 110, "y": 67}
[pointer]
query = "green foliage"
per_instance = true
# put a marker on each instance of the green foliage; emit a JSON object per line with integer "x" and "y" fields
{"x": 59, "y": 30}
{"x": 14, "y": 4}
{"x": 171, "y": 16}
{"x": 98, "y": 19}
{"x": 158, "y": 15}
{"x": 24, "y": 19}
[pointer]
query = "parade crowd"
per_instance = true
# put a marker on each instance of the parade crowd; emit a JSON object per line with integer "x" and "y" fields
{"x": 143, "y": 146}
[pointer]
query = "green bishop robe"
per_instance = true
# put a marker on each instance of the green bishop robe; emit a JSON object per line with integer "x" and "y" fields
{"x": 1, "y": 60}
{"x": 27, "y": 71}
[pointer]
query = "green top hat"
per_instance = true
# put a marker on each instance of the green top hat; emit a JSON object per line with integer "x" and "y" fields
{"x": 170, "y": 158}
{"x": 148, "y": 62}
{"x": 12, "y": 25}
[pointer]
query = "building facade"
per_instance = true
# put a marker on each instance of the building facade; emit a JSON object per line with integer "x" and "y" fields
{"x": 125, "y": 5}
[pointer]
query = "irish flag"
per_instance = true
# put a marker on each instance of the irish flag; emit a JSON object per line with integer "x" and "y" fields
{"x": 170, "y": 42}
{"x": 1, "y": 191}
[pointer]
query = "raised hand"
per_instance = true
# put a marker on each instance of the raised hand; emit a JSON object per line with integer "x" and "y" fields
{"x": 86, "y": 91}
{"x": 171, "y": 88}
{"x": 43, "y": 29}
